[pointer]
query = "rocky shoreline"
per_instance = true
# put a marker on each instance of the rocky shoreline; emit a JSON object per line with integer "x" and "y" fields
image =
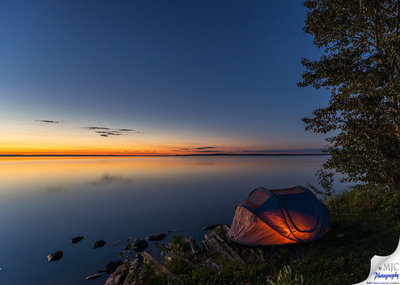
{"x": 117, "y": 269}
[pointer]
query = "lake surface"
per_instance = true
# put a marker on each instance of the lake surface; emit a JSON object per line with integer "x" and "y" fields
{"x": 44, "y": 202}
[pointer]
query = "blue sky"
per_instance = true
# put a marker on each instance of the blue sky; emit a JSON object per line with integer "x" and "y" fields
{"x": 181, "y": 73}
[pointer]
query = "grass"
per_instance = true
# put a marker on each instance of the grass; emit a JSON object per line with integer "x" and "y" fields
{"x": 368, "y": 218}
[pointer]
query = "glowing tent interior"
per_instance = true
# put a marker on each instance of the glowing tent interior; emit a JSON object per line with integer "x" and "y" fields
{"x": 279, "y": 216}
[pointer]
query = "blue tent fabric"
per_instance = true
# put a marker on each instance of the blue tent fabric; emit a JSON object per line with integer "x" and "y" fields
{"x": 279, "y": 216}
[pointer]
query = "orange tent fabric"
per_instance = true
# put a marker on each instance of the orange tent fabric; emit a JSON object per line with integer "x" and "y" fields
{"x": 279, "y": 216}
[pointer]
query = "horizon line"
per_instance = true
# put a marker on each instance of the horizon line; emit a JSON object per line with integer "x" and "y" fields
{"x": 159, "y": 155}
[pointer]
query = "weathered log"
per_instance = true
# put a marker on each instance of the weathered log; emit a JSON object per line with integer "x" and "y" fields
{"x": 191, "y": 246}
{"x": 94, "y": 276}
{"x": 221, "y": 239}
{"x": 206, "y": 247}
{"x": 158, "y": 266}
{"x": 211, "y": 227}
{"x": 118, "y": 277}
{"x": 210, "y": 239}
{"x": 259, "y": 258}
{"x": 225, "y": 228}
{"x": 234, "y": 254}
{"x": 211, "y": 264}
{"x": 189, "y": 262}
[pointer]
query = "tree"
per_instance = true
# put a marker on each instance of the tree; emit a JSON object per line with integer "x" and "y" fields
{"x": 360, "y": 67}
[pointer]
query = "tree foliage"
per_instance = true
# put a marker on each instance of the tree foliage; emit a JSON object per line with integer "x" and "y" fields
{"x": 360, "y": 67}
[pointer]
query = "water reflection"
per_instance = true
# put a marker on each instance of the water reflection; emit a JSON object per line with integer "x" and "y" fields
{"x": 54, "y": 190}
{"x": 107, "y": 179}
{"x": 45, "y": 202}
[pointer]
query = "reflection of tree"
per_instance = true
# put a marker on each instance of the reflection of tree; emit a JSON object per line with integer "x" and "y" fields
{"x": 107, "y": 179}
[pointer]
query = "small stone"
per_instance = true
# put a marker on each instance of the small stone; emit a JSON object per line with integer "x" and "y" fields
{"x": 156, "y": 237}
{"x": 140, "y": 244}
{"x": 116, "y": 242}
{"x": 55, "y": 255}
{"x": 94, "y": 276}
{"x": 99, "y": 243}
{"x": 112, "y": 265}
{"x": 340, "y": 235}
{"x": 76, "y": 239}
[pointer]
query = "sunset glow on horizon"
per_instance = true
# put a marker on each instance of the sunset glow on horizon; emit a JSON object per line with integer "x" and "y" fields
{"x": 48, "y": 138}
{"x": 132, "y": 79}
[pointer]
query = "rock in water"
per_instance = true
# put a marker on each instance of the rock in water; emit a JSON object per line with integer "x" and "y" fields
{"x": 112, "y": 265}
{"x": 55, "y": 255}
{"x": 140, "y": 244}
{"x": 76, "y": 239}
{"x": 94, "y": 276}
{"x": 99, "y": 243}
{"x": 156, "y": 237}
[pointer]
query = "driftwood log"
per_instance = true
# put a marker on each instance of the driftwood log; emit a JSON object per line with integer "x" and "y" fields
{"x": 149, "y": 259}
{"x": 216, "y": 244}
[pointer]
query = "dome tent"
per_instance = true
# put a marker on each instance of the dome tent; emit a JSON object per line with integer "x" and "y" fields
{"x": 279, "y": 216}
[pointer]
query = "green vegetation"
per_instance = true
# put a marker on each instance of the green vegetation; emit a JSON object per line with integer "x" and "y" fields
{"x": 360, "y": 67}
{"x": 369, "y": 229}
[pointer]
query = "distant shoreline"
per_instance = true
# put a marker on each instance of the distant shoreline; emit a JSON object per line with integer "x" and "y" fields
{"x": 161, "y": 155}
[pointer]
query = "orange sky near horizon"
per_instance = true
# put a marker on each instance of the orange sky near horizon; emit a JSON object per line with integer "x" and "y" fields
{"x": 33, "y": 137}
{"x": 37, "y": 139}
{"x": 136, "y": 83}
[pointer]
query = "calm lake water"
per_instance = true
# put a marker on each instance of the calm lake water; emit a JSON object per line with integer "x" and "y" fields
{"x": 45, "y": 202}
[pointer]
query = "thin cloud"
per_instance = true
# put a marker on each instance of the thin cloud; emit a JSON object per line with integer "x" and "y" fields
{"x": 48, "y": 121}
{"x": 129, "y": 130}
{"x": 209, "y": 151}
{"x": 206, "y": 147}
{"x": 106, "y": 132}
{"x": 96, "y": 128}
